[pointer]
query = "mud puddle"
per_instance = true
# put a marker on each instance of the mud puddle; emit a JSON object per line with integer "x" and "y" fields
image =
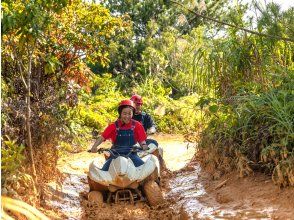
{"x": 186, "y": 189}
{"x": 188, "y": 192}
{"x": 70, "y": 197}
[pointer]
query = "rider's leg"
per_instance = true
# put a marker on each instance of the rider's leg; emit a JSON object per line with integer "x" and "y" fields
{"x": 107, "y": 164}
{"x": 149, "y": 141}
{"x": 136, "y": 159}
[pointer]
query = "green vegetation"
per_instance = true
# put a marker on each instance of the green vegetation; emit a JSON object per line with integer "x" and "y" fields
{"x": 45, "y": 48}
{"x": 252, "y": 81}
{"x": 256, "y": 133}
{"x": 67, "y": 64}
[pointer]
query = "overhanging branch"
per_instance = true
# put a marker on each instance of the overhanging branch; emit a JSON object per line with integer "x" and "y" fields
{"x": 234, "y": 26}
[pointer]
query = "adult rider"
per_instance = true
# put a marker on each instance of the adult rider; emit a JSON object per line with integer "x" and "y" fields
{"x": 144, "y": 118}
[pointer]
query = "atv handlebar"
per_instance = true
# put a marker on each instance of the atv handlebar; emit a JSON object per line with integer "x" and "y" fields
{"x": 99, "y": 151}
{"x": 134, "y": 149}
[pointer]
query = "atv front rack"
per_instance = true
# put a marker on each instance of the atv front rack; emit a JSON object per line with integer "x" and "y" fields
{"x": 125, "y": 195}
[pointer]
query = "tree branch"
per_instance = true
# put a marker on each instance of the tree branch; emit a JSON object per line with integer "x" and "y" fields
{"x": 234, "y": 26}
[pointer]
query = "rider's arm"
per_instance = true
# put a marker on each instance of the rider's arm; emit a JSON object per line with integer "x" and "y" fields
{"x": 108, "y": 133}
{"x": 99, "y": 140}
{"x": 151, "y": 130}
{"x": 141, "y": 135}
{"x": 150, "y": 125}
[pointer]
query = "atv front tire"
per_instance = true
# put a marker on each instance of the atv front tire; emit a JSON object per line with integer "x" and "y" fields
{"x": 153, "y": 193}
{"x": 95, "y": 197}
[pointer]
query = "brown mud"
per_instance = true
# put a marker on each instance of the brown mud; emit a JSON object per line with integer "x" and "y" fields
{"x": 190, "y": 193}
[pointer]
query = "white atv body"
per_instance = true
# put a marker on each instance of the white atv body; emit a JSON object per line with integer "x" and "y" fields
{"x": 124, "y": 181}
{"x": 153, "y": 149}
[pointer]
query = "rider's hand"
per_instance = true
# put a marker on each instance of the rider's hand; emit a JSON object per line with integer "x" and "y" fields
{"x": 94, "y": 150}
{"x": 145, "y": 147}
{"x": 151, "y": 130}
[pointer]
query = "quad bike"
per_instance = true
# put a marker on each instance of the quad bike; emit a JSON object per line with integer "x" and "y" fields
{"x": 154, "y": 150}
{"x": 125, "y": 182}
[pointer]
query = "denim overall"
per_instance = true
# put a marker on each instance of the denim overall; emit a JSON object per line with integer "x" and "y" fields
{"x": 125, "y": 140}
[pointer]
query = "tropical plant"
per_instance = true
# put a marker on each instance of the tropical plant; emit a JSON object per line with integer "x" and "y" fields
{"x": 46, "y": 45}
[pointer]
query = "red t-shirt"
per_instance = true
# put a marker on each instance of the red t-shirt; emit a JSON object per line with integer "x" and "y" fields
{"x": 139, "y": 132}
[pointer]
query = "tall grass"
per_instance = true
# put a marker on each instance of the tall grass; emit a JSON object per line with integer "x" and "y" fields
{"x": 255, "y": 134}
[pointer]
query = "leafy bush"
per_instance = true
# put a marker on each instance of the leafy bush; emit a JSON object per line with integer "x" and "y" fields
{"x": 258, "y": 131}
{"x": 170, "y": 115}
{"x": 96, "y": 110}
{"x": 11, "y": 157}
{"x": 93, "y": 113}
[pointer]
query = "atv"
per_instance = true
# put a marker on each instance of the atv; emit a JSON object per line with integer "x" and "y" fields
{"x": 125, "y": 182}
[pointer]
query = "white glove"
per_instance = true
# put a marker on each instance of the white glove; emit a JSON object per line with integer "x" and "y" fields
{"x": 151, "y": 130}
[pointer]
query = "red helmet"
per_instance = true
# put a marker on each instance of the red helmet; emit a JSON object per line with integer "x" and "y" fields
{"x": 126, "y": 103}
{"x": 137, "y": 99}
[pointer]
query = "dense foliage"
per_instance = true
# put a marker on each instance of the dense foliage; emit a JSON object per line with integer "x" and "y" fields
{"x": 252, "y": 79}
{"x": 254, "y": 133}
{"x": 67, "y": 64}
{"x": 45, "y": 48}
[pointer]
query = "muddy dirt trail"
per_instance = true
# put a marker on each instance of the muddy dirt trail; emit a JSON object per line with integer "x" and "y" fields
{"x": 190, "y": 193}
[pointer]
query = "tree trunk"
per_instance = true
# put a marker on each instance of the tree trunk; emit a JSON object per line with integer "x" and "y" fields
{"x": 28, "y": 117}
